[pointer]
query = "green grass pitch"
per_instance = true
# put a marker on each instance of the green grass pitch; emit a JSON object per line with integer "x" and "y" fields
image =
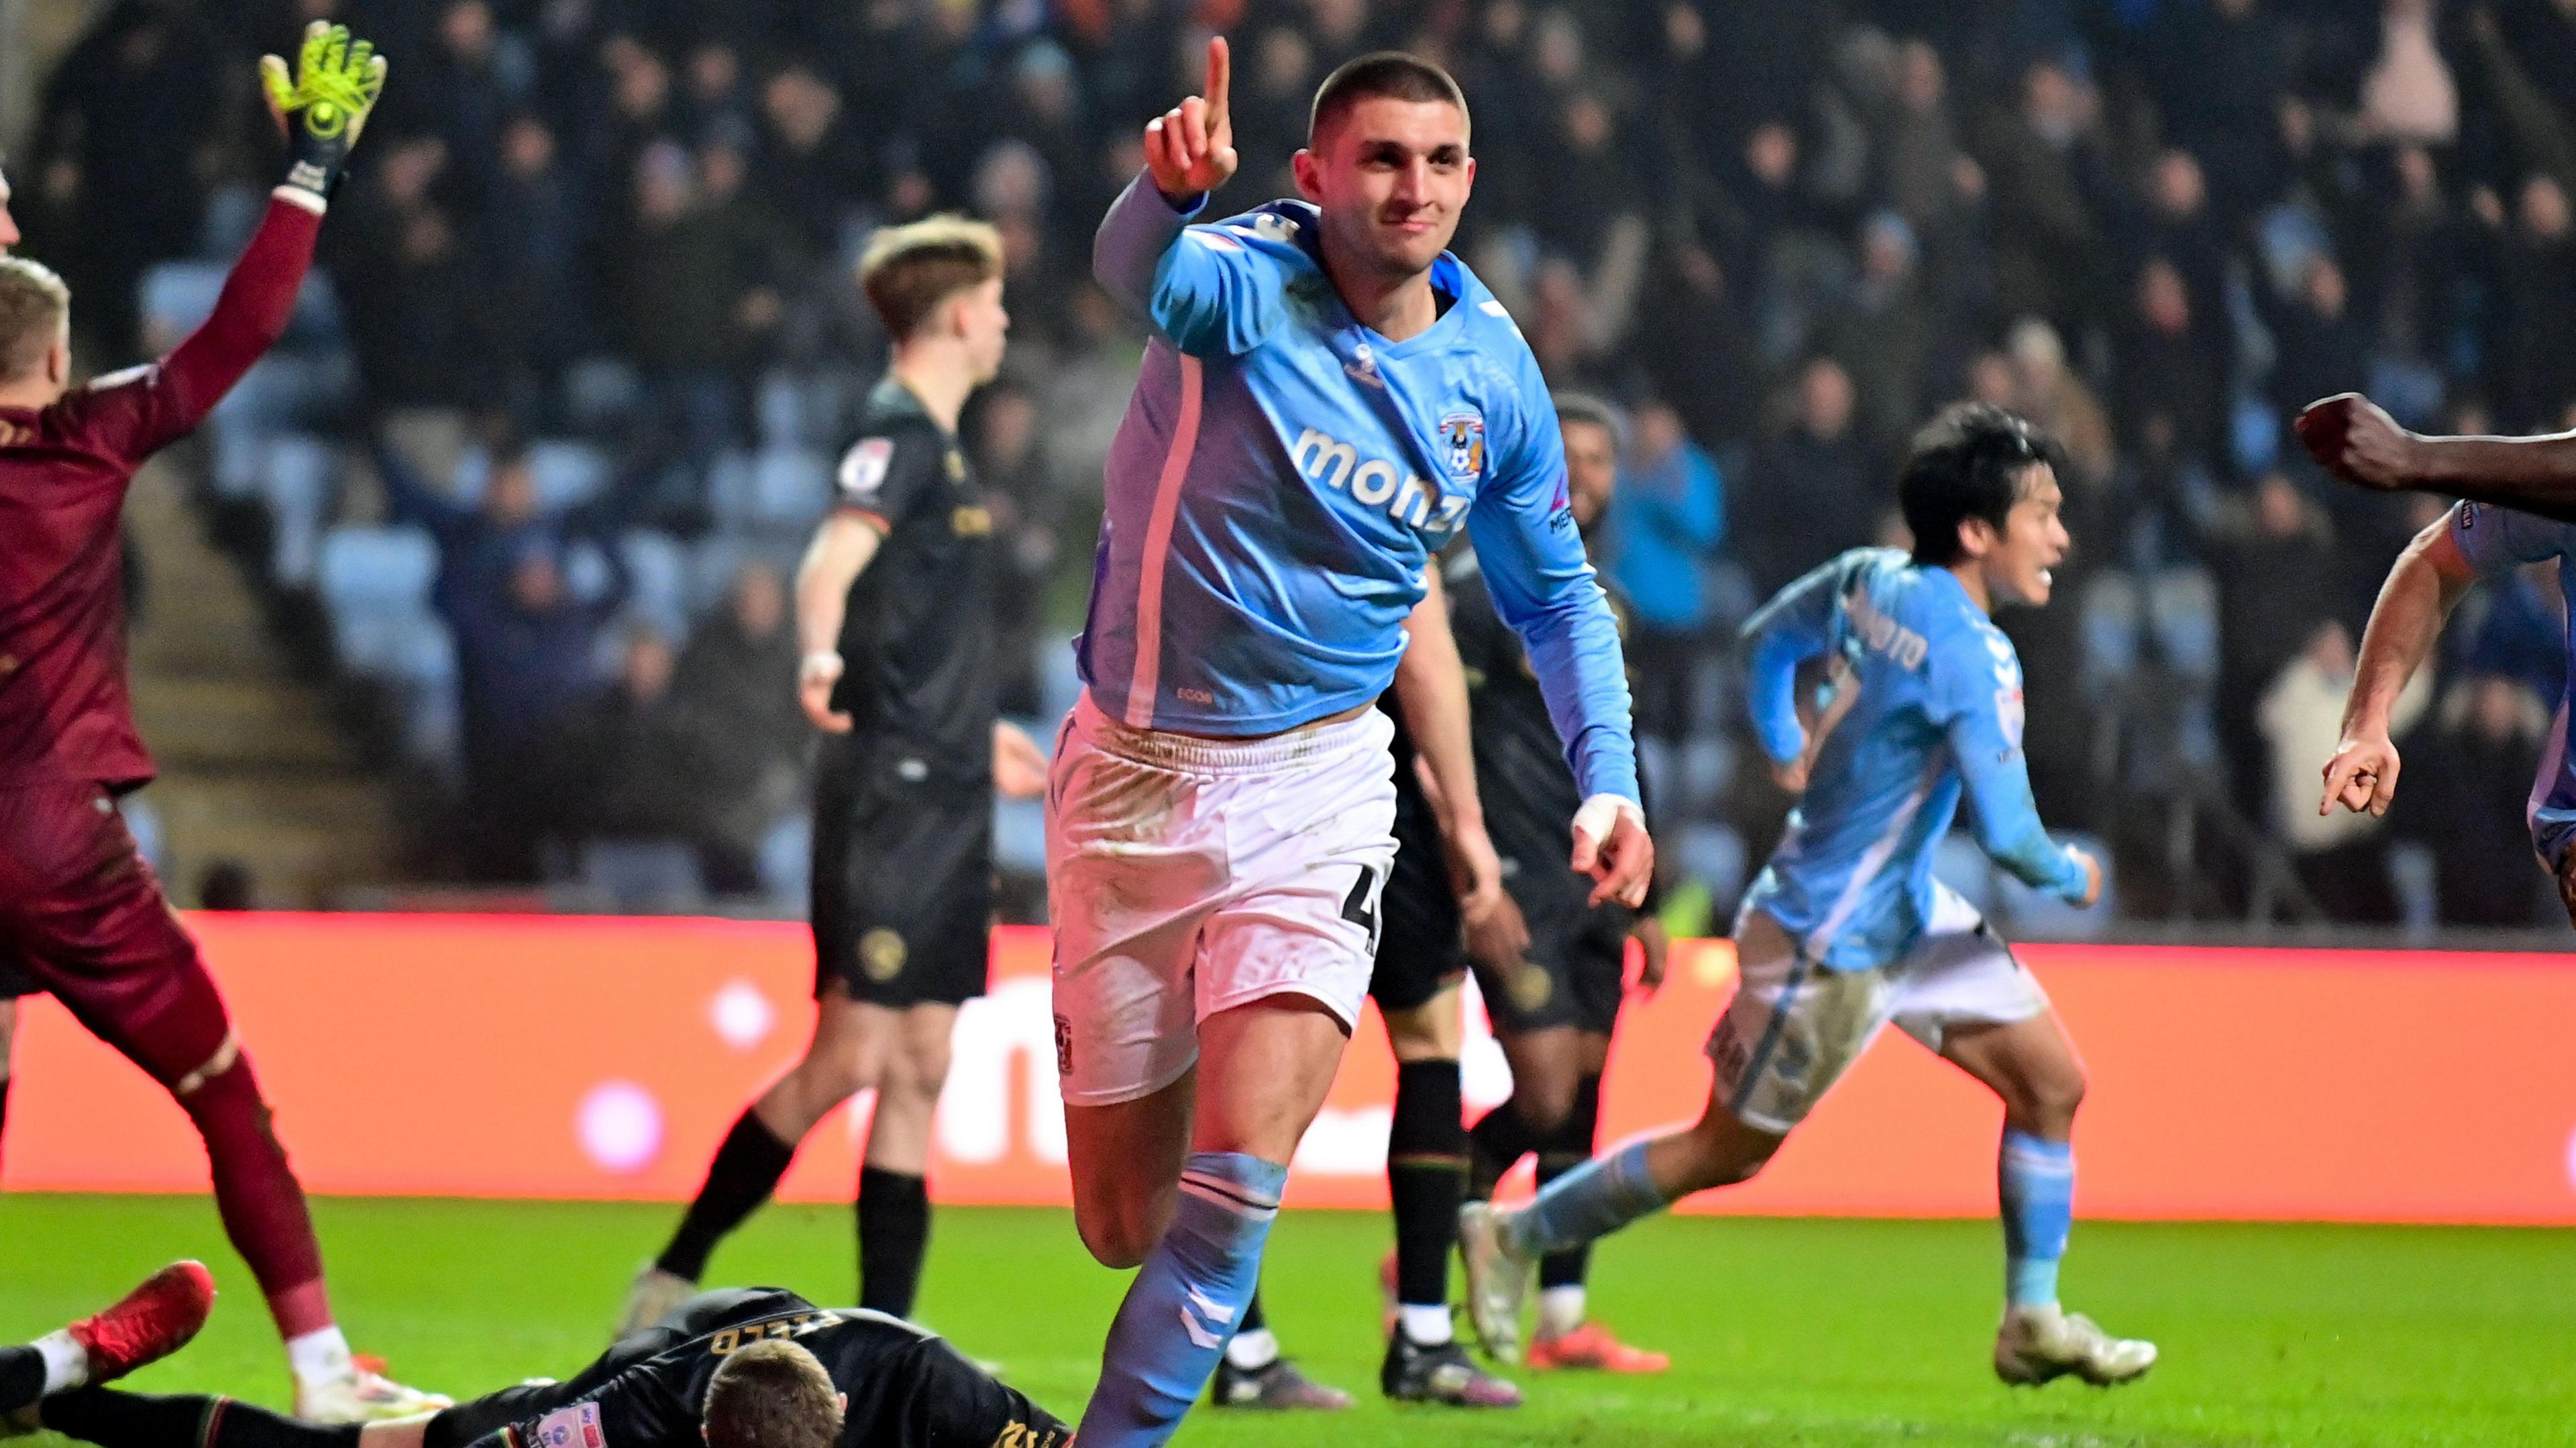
{"x": 1782, "y": 1332}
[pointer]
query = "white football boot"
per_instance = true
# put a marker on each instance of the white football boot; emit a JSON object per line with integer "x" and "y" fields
{"x": 1498, "y": 1278}
{"x": 2036, "y": 1344}
{"x": 359, "y": 1392}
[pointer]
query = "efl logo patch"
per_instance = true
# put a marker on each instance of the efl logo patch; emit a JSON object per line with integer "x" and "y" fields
{"x": 573, "y": 1427}
{"x": 1463, "y": 435}
{"x": 863, "y": 470}
{"x": 2010, "y": 711}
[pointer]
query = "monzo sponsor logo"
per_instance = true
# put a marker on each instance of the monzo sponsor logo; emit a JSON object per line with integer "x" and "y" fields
{"x": 1376, "y": 483}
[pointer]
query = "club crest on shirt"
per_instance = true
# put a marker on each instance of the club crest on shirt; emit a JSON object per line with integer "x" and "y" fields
{"x": 1462, "y": 434}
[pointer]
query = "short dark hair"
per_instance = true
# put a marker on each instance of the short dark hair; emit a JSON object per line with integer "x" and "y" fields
{"x": 907, "y": 271}
{"x": 1572, "y": 406}
{"x": 1388, "y": 73}
{"x": 772, "y": 1394}
{"x": 1968, "y": 462}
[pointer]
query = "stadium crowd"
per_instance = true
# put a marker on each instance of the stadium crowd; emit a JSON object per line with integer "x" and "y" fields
{"x": 545, "y": 450}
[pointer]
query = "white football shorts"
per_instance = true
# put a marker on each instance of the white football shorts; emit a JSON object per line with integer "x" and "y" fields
{"x": 1794, "y": 1027}
{"x": 1188, "y": 876}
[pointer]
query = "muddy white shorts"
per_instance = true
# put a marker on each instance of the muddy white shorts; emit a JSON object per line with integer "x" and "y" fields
{"x": 1189, "y": 876}
{"x": 1794, "y": 1028}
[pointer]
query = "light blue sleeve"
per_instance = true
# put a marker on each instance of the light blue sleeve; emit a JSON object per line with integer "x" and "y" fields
{"x": 1211, "y": 290}
{"x": 2497, "y": 540}
{"x": 1541, "y": 584}
{"x": 1795, "y": 626}
{"x": 1977, "y": 694}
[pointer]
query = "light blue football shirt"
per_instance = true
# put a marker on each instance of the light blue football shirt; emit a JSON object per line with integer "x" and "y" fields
{"x": 1938, "y": 713}
{"x": 1284, "y": 474}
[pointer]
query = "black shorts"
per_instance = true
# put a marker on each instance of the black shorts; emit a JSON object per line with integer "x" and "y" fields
{"x": 705, "y": 1313}
{"x": 903, "y": 878}
{"x": 1419, "y": 952}
{"x": 15, "y": 983}
{"x": 1572, "y": 975}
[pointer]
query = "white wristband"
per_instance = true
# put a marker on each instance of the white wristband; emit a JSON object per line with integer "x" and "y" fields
{"x": 820, "y": 663}
{"x": 1600, "y": 814}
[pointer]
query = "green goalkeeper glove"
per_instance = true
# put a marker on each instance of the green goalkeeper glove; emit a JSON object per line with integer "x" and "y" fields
{"x": 325, "y": 105}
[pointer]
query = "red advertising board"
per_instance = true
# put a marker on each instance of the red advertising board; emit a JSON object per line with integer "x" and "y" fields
{"x": 552, "y": 1057}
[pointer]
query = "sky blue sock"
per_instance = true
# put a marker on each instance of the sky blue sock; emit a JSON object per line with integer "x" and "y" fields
{"x": 2036, "y": 1181}
{"x": 1593, "y": 1200}
{"x": 1185, "y": 1301}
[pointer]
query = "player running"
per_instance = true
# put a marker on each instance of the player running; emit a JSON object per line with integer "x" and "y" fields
{"x": 895, "y": 608}
{"x": 80, "y": 911}
{"x": 2521, "y": 509}
{"x": 1554, "y": 997}
{"x": 1847, "y": 930}
{"x": 153, "y": 1321}
{"x": 1326, "y": 396}
{"x": 751, "y": 1368}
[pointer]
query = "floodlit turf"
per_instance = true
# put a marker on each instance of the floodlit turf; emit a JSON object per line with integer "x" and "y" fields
{"x": 1809, "y": 1333}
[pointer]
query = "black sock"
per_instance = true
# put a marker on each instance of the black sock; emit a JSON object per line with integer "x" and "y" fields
{"x": 746, "y": 1170}
{"x": 1253, "y": 1320}
{"x": 22, "y": 1377}
{"x": 894, "y": 1235}
{"x": 4, "y": 1119}
{"x": 1571, "y": 1147}
{"x": 1497, "y": 1144}
{"x": 1426, "y": 1172}
{"x": 143, "y": 1420}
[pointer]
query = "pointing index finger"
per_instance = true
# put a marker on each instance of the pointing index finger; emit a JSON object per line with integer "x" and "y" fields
{"x": 1220, "y": 79}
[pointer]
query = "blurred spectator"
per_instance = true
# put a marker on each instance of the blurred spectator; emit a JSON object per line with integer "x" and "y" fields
{"x": 2047, "y": 175}
{"x": 2341, "y": 857}
{"x": 2408, "y": 94}
{"x": 1884, "y": 332}
{"x": 2221, "y": 77}
{"x": 2171, "y": 381}
{"x": 2324, "y": 345}
{"x": 736, "y": 686}
{"x": 1814, "y": 490}
{"x": 636, "y": 767}
{"x": 2463, "y": 793}
{"x": 533, "y": 243}
{"x": 524, "y": 650}
{"x": 2276, "y": 571}
{"x": 692, "y": 303}
{"x": 2539, "y": 367}
{"x": 2051, "y": 394}
{"x": 1664, "y": 528}
{"x": 1011, "y": 458}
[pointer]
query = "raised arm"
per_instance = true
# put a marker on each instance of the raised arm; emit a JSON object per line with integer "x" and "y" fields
{"x": 2424, "y": 585}
{"x": 1208, "y": 289}
{"x": 322, "y": 109}
{"x": 2356, "y": 440}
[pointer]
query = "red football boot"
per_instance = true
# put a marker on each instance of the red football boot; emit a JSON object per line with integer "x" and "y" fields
{"x": 154, "y": 1321}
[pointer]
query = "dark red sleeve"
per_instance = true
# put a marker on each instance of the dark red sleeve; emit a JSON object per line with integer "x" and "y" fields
{"x": 135, "y": 414}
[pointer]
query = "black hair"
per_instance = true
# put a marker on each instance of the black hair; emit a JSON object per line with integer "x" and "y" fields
{"x": 1968, "y": 462}
{"x": 1389, "y": 73}
{"x": 1572, "y": 406}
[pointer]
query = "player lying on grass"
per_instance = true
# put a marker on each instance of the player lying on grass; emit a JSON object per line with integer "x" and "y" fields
{"x": 148, "y": 1324}
{"x": 80, "y": 910}
{"x": 2529, "y": 481}
{"x": 749, "y": 1368}
{"x": 1847, "y": 930}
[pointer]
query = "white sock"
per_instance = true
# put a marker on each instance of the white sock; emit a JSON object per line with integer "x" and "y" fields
{"x": 66, "y": 1362}
{"x": 1252, "y": 1351}
{"x": 1424, "y": 1326}
{"x": 318, "y": 1356}
{"x": 1560, "y": 1310}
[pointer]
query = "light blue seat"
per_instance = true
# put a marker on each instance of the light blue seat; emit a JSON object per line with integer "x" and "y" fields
{"x": 601, "y": 394}
{"x": 566, "y": 474}
{"x": 730, "y": 487}
{"x": 177, "y": 295}
{"x": 378, "y": 570}
{"x": 144, "y": 823}
{"x": 1714, "y": 855}
{"x": 657, "y": 577}
{"x": 787, "y": 861}
{"x": 790, "y": 488}
{"x": 298, "y": 475}
{"x": 645, "y": 876}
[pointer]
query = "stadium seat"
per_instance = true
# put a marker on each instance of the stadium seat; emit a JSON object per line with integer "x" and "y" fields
{"x": 144, "y": 823}
{"x": 377, "y": 570}
{"x": 1019, "y": 836}
{"x": 729, "y": 491}
{"x": 567, "y": 474}
{"x": 787, "y": 861}
{"x": 790, "y": 488}
{"x": 778, "y": 410}
{"x": 644, "y": 876}
{"x": 298, "y": 474}
{"x": 657, "y": 574}
{"x": 1714, "y": 855}
{"x": 1059, "y": 686}
{"x": 176, "y": 296}
{"x": 601, "y": 394}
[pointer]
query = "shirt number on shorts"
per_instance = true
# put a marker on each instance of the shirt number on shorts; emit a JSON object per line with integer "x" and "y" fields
{"x": 1360, "y": 908}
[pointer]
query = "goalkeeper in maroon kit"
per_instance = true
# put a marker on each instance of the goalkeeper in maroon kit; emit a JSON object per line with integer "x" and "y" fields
{"x": 80, "y": 911}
